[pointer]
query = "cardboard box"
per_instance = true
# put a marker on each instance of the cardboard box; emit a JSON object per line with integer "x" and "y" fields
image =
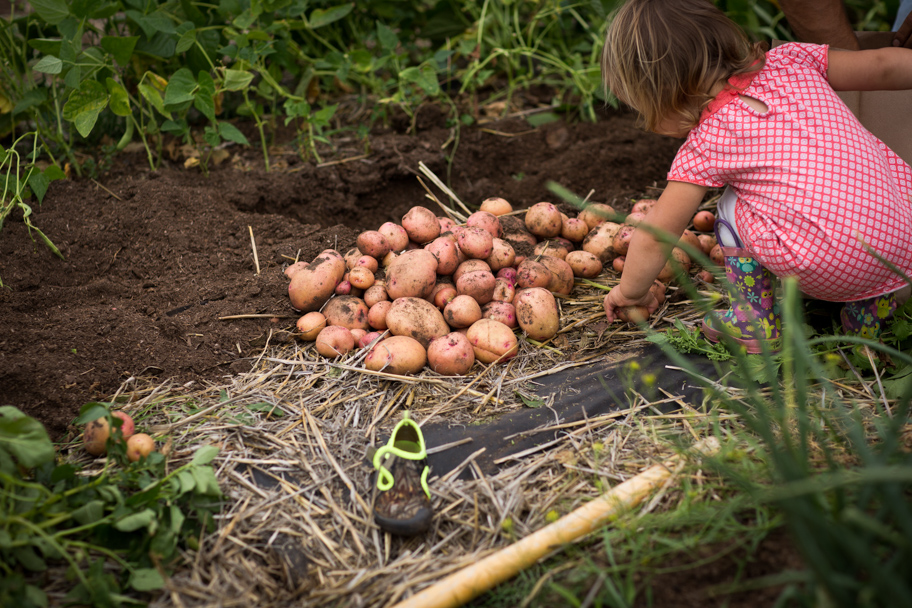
{"x": 886, "y": 114}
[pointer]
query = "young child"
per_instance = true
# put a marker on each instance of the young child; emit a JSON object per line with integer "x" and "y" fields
{"x": 808, "y": 189}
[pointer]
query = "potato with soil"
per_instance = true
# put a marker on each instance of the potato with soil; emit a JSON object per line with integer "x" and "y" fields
{"x": 346, "y": 311}
{"x": 492, "y": 341}
{"x": 479, "y": 284}
{"x": 447, "y": 253}
{"x": 412, "y": 274}
{"x": 530, "y": 273}
{"x": 334, "y": 341}
{"x": 561, "y": 274}
{"x": 314, "y": 284}
{"x": 461, "y": 312}
{"x": 679, "y": 262}
{"x": 502, "y": 255}
{"x": 574, "y": 229}
{"x": 361, "y": 277}
{"x": 537, "y": 313}
{"x": 496, "y": 206}
{"x": 595, "y": 214}
{"x": 584, "y": 264}
{"x": 310, "y": 325}
{"x": 475, "y": 243}
{"x": 451, "y": 355}
{"x": 398, "y": 355}
{"x": 621, "y": 242}
{"x": 704, "y": 221}
{"x": 395, "y": 236}
{"x": 504, "y": 290}
{"x": 504, "y": 312}
{"x": 376, "y": 314}
{"x": 373, "y": 243}
{"x": 544, "y": 220}
{"x": 487, "y": 221}
{"x": 416, "y": 318}
{"x": 557, "y": 248}
{"x": 600, "y": 241}
{"x": 421, "y": 225}
{"x": 139, "y": 446}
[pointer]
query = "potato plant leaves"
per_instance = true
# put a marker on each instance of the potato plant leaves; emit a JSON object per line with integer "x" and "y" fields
{"x": 84, "y": 105}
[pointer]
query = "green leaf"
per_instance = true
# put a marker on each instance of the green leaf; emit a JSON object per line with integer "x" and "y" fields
{"x": 187, "y": 482}
{"x": 204, "y": 455}
{"x": 92, "y": 410}
{"x": 39, "y": 183}
{"x": 537, "y": 120}
{"x": 206, "y": 483}
{"x": 151, "y": 94}
{"x": 49, "y": 65}
{"x": 186, "y": 41}
{"x": 90, "y": 512}
{"x": 320, "y": 17}
{"x": 24, "y": 437}
{"x": 235, "y": 80}
{"x": 120, "y": 47}
{"x": 84, "y": 105}
{"x": 231, "y": 133}
{"x": 161, "y": 22}
{"x": 29, "y": 559}
{"x": 120, "y": 101}
{"x": 387, "y": 37}
{"x": 146, "y": 579}
{"x": 205, "y": 97}
{"x": 33, "y": 98}
{"x": 425, "y": 76}
{"x": 54, "y": 172}
{"x": 46, "y": 46}
{"x": 52, "y": 11}
{"x": 135, "y": 521}
{"x": 181, "y": 88}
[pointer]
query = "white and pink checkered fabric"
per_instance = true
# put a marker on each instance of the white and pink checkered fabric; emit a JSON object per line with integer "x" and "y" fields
{"x": 814, "y": 186}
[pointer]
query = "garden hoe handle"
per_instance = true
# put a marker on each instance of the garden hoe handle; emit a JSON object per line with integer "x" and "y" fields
{"x": 460, "y": 587}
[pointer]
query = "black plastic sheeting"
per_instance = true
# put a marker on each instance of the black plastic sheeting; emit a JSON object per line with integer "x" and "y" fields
{"x": 578, "y": 393}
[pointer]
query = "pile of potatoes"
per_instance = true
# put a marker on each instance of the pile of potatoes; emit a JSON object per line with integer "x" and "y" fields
{"x": 428, "y": 291}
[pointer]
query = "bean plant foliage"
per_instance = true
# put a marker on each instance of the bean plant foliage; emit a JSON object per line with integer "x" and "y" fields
{"x": 111, "y": 534}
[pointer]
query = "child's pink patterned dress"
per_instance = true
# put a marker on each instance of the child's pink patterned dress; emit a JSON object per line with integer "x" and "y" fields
{"x": 814, "y": 186}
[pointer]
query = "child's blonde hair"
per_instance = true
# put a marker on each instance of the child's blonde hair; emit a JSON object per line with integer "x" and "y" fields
{"x": 663, "y": 57}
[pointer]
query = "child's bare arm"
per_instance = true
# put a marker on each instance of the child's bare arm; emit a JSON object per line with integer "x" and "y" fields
{"x": 646, "y": 256}
{"x": 886, "y": 69}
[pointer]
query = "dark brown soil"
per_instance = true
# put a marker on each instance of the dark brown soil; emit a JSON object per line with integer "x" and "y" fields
{"x": 156, "y": 261}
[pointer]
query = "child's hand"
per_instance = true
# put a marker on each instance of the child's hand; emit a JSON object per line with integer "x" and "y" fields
{"x": 616, "y": 302}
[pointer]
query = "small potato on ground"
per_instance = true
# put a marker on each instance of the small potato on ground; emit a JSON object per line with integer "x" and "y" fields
{"x": 398, "y": 355}
{"x": 492, "y": 341}
{"x": 139, "y": 446}
{"x": 335, "y": 341}
{"x": 451, "y": 355}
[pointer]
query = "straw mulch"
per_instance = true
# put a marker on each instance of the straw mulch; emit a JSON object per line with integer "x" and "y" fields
{"x": 296, "y": 524}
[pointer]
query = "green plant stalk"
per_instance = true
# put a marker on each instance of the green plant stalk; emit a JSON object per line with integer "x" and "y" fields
{"x": 259, "y": 124}
{"x": 60, "y": 549}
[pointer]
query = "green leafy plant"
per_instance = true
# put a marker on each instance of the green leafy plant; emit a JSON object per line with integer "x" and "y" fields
{"x": 131, "y": 515}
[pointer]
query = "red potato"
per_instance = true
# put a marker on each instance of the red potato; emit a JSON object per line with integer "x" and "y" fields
{"x": 470, "y": 266}
{"x": 561, "y": 274}
{"x": 344, "y": 288}
{"x": 346, "y": 311}
{"x": 447, "y": 254}
{"x": 366, "y": 261}
{"x": 475, "y": 242}
{"x": 314, "y": 284}
{"x": 451, "y": 355}
{"x": 487, "y": 221}
{"x": 351, "y": 258}
{"x": 376, "y": 314}
{"x": 375, "y": 293}
{"x": 461, "y": 312}
{"x": 574, "y": 229}
{"x": 95, "y": 436}
{"x": 446, "y": 225}
{"x": 388, "y": 259}
{"x": 361, "y": 277}
{"x": 658, "y": 290}
{"x": 621, "y": 242}
{"x": 373, "y": 243}
{"x": 507, "y": 274}
{"x": 504, "y": 291}
{"x": 421, "y": 225}
{"x": 532, "y": 274}
{"x": 704, "y": 221}
{"x": 520, "y": 238}
{"x": 502, "y": 255}
{"x": 543, "y": 220}
{"x": 443, "y": 295}
{"x": 334, "y": 341}
{"x": 310, "y": 325}
{"x": 413, "y": 274}
{"x": 706, "y": 276}
{"x": 492, "y": 341}
{"x": 357, "y": 335}
{"x": 707, "y": 243}
{"x": 644, "y": 205}
{"x": 633, "y": 314}
{"x": 398, "y": 355}
{"x": 293, "y": 268}
{"x": 368, "y": 338}
{"x": 395, "y": 235}
{"x": 127, "y": 426}
{"x": 416, "y": 318}
{"x": 139, "y": 446}
{"x": 553, "y": 247}
{"x": 618, "y": 263}
{"x": 679, "y": 260}
{"x": 716, "y": 255}
{"x": 600, "y": 241}
{"x": 690, "y": 239}
{"x": 584, "y": 264}
{"x": 504, "y": 312}
{"x": 635, "y": 218}
{"x": 537, "y": 313}
{"x": 479, "y": 284}
{"x": 496, "y": 205}
{"x": 595, "y": 214}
